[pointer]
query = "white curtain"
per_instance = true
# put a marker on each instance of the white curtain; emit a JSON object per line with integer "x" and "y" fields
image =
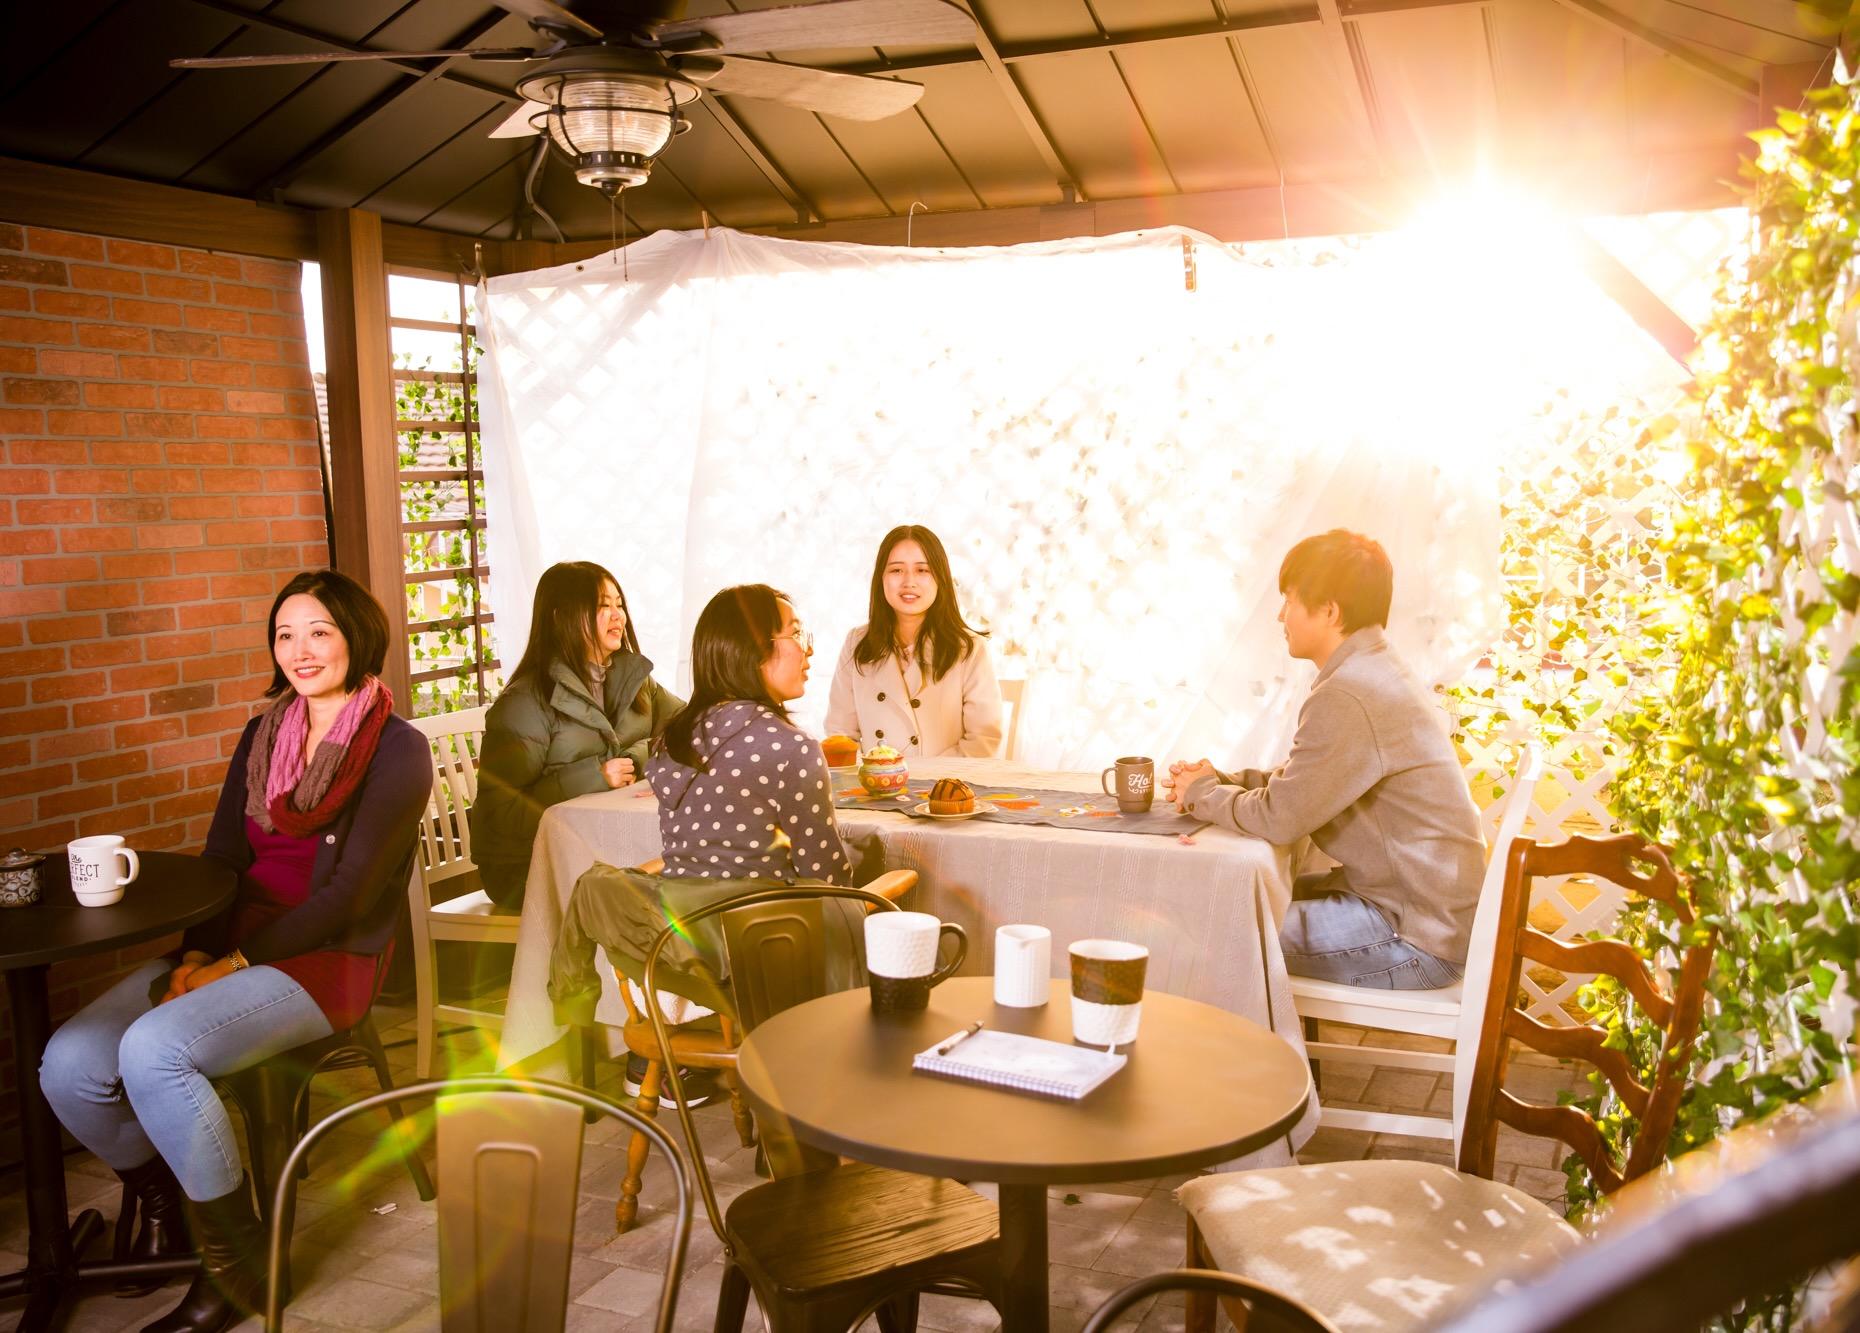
{"x": 1116, "y": 455}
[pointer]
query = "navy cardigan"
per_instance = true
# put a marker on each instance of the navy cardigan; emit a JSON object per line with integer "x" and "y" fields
{"x": 359, "y": 884}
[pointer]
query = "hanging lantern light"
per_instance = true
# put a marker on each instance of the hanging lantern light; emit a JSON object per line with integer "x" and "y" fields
{"x": 611, "y": 111}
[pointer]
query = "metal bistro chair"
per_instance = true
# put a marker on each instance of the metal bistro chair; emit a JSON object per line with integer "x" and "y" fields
{"x": 1286, "y": 1313}
{"x": 824, "y": 1244}
{"x": 510, "y": 1154}
{"x": 703, "y": 1044}
{"x": 273, "y": 1098}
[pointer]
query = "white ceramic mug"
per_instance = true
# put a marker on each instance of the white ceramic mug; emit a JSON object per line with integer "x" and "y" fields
{"x": 1023, "y": 965}
{"x": 903, "y": 944}
{"x": 94, "y": 878}
{"x": 900, "y": 958}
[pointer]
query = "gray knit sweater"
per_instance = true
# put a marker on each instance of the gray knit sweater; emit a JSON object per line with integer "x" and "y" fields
{"x": 1373, "y": 780}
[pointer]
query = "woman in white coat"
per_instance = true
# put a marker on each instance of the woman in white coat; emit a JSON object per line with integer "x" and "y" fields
{"x": 916, "y": 676}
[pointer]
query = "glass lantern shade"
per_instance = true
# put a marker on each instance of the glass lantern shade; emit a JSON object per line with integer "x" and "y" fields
{"x": 611, "y": 127}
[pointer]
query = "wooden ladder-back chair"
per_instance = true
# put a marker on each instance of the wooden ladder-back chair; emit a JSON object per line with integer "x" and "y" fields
{"x": 824, "y": 1244}
{"x": 1012, "y": 692}
{"x": 1436, "y": 1013}
{"x": 446, "y": 855}
{"x": 1423, "y": 1237}
{"x": 704, "y": 1044}
{"x": 1743, "y": 1217}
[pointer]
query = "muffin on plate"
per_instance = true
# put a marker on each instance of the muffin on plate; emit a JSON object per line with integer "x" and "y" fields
{"x": 952, "y": 796}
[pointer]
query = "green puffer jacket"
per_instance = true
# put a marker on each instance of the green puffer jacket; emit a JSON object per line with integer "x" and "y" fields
{"x": 544, "y": 742}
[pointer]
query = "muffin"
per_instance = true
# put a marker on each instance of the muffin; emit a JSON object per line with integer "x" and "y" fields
{"x": 840, "y": 751}
{"x": 952, "y": 796}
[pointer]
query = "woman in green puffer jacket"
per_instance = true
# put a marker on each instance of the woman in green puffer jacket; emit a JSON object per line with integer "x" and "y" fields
{"x": 578, "y": 716}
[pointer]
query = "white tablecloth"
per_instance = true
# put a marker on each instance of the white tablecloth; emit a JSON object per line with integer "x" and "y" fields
{"x": 1208, "y": 910}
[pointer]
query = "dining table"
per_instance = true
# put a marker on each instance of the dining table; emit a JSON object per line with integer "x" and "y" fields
{"x": 1206, "y": 902}
{"x": 1199, "y": 1085}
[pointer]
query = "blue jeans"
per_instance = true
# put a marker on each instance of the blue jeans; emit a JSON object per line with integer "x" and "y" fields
{"x": 130, "y": 1078}
{"x": 1334, "y": 935}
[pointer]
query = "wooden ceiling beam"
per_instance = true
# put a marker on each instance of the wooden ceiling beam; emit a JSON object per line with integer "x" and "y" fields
{"x": 1037, "y": 134}
{"x": 1234, "y": 26}
{"x": 68, "y": 199}
{"x": 1346, "y": 49}
{"x": 1622, "y": 25}
{"x": 804, "y": 210}
{"x": 284, "y": 175}
{"x": 1644, "y": 183}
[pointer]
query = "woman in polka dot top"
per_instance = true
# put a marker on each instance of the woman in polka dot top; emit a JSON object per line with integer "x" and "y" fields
{"x": 743, "y": 793}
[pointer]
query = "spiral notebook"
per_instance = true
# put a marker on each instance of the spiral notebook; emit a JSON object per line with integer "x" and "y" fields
{"x": 1023, "y": 1064}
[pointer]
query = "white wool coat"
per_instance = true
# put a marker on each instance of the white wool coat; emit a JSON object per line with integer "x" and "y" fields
{"x": 957, "y": 715}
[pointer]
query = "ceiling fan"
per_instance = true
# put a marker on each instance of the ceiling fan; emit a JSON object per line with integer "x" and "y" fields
{"x": 612, "y": 74}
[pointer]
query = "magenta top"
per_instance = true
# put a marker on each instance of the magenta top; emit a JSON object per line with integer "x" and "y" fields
{"x": 342, "y": 984}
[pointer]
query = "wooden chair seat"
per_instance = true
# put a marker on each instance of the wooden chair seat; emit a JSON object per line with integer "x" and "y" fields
{"x": 1389, "y": 1245}
{"x": 808, "y": 1235}
{"x": 477, "y": 907}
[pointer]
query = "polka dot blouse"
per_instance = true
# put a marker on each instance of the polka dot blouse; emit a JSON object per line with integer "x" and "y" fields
{"x": 762, "y": 810}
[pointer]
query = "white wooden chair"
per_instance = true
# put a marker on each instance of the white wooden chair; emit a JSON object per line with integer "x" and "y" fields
{"x": 445, "y": 853}
{"x": 1440, "y": 1013}
{"x": 1010, "y": 700}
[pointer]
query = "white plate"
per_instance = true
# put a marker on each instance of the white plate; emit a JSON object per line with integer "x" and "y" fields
{"x": 981, "y": 808}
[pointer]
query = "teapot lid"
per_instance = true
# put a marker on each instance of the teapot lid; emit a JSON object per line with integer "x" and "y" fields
{"x": 19, "y": 858}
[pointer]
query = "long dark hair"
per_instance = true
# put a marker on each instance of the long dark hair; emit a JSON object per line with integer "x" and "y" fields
{"x": 356, "y": 613}
{"x": 568, "y": 597}
{"x": 735, "y": 635}
{"x": 946, "y": 638}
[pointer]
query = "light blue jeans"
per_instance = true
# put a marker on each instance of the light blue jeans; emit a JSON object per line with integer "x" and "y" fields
{"x": 130, "y": 1078}
{"x": 1334, "y": 935}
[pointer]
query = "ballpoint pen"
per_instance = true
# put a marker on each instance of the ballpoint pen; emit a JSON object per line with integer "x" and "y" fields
{"x": 959, "y": 1038}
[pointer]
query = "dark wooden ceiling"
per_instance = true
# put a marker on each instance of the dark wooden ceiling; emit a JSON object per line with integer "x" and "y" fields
{"x": 1056, "y": 101}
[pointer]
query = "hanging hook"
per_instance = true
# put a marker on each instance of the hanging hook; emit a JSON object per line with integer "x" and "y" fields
{"x": 911, "y": 217}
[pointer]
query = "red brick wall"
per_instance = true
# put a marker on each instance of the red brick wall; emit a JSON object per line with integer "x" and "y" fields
{"x": 158, "y": 484}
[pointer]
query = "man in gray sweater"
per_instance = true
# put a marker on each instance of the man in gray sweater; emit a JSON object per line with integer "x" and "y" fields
{"x": 1372, "y": 779}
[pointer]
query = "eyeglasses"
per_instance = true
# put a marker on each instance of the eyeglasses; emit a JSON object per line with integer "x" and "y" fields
{"x": 802, "y": 636}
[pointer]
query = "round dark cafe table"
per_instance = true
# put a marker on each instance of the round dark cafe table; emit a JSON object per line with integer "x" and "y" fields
{"x": 171, "y": 893}
{"x": 1202, "y": 1086}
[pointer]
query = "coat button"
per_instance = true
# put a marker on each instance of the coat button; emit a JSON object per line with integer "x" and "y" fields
{"x": 913, "y": 740}
{"x": 879, "y": 734}
{"x": 881, "y": 696}
{"x": 916, "y": 702}
{"x": 329, "y": 838}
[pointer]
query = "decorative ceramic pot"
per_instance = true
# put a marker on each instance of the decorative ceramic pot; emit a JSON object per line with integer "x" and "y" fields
{"x": 883, "y": 772}
{"x": 20, "y": 885}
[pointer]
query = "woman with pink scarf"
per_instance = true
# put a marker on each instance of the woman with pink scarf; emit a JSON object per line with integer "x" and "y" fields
{"x": 320, "y": 817}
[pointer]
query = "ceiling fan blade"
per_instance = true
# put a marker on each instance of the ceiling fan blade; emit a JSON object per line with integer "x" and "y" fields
{"x": 851, "y": 96}
{"x": 830, "y": 23}
{"x": 517, "y": 124}
{"x": 322, "y": 57}
{"x": 547, "y": 14}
